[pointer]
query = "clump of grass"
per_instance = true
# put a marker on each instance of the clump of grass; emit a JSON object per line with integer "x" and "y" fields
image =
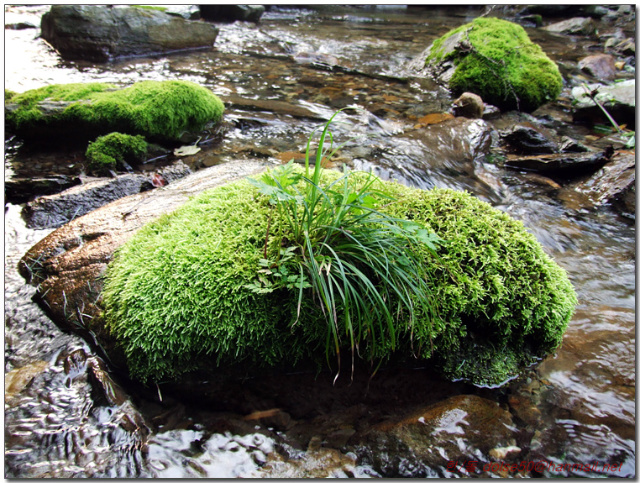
{"x": 357, "y": 261}
{"x": 115, "y": 150}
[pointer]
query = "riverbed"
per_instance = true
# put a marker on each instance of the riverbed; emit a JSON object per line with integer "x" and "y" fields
{"x": 575, "y": 408}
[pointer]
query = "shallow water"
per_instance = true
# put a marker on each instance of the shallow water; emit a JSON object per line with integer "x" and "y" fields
{"x": 60, "y": 423}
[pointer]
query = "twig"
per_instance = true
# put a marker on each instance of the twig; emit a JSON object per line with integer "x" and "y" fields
{"x": 592, "y": 96}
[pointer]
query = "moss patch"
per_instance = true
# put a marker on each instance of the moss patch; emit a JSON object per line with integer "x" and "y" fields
{"x": 502, "y": 65}
{"x": 158, "y": 110}
{"x": 176, "y": 299}
{"x": 151, "y": 7}
{"x": 114, "y": 150}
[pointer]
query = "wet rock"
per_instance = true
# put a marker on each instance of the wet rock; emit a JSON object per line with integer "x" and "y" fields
{"x": 528, "y": 140}
{"x": 573, "y": 26}
{"x": 21, "y": 190}
{"x": 569, "y": 145}
{"x": 600, "y": 66}
{"x": 317, "y": 462}
{"x": 455, "y": 138}
{"x": 461, "y": 428}
{"x": 231, "y": 13}
{"x": 17, "y": 379}
{"x": 614, "y": 183}
{"x": 618, "y": 99}
{"x": 626, "y": 47}
{"x": 55, "y": 210}
{"x": 562, "y": 164}
{"x": 19, "y": 26}
{"x": 468, "y": 105}
{"x": 100, "y": 33}
{"x": 563, "y": 10}
{"x": 279, "y": 107}
{"x": 67, "y": 265}
{"x": 500, "y": 453}
{"x": 187, "y": 12}
{"x": 108, "y": 390}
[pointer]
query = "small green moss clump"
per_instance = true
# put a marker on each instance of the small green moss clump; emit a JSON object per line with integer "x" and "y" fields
{"x": 155, "y": 109}
{"x": 176, "y": 296}
{"x": 502, "y": 65}
{"x": 151, "y": 7}
{"x": 114, "y": 150}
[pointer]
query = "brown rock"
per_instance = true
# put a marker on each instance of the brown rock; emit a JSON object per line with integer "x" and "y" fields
{"x": 565, "y": 164}
{"x": 459, "y": 429}
{"x": 17, "y": 379}
{"x": 600, "y": 66}
{"x": 67, "y": 265}
{"x": 468, "y": 105}
{"x": 614, "y": 183}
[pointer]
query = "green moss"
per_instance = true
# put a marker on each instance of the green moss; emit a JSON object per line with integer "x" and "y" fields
{"x": 151, "y": 7}
{"x": 160, "y": 110}
{"x": 176, "y": 295}
{"x": 114, "y": 150}
{"x": 502, "y": 66}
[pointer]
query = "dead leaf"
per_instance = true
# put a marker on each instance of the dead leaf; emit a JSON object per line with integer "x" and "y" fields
{"x": 186, "y": 150}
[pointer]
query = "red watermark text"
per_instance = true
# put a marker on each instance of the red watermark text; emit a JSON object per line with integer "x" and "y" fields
{"x": 528, "y": 466}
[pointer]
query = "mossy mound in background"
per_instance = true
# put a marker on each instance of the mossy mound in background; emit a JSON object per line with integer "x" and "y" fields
{"x": 496, "y": 59}
{"x": 161, "y": 110}
{"x": 114, "y": 150}
{"x": 176, "y": 295}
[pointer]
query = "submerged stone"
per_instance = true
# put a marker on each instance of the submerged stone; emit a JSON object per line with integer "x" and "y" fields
{"x": 440, "y": 439}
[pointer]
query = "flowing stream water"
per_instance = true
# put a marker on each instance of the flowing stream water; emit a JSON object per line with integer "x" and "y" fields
{"x": 300, "y": 66}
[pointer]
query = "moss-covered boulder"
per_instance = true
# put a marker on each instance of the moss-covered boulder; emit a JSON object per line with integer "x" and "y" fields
{"x": 157, "y": 110}
{"x": 496, "y": 60}
{"x": 115, "y": 150}
{"x": 177, "y": 297}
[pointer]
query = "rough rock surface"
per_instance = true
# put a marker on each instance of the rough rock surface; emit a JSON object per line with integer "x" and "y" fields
{"x": 230, "y": 13}
{"x": 615, "y": 183}
{"x": 528, "y": 140}
{"x": 618, "y": 99}
{"x": 23, "y": 189}
{"x": 68, "y": 263}
{"x": 573, "y": 26}
{"x": 468, "y": 105}
{"x": 55, "y": 210}
{"x": 564, "y": 164}
{"x": 100, "y": 33}
{"x": 600, "y": 66}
